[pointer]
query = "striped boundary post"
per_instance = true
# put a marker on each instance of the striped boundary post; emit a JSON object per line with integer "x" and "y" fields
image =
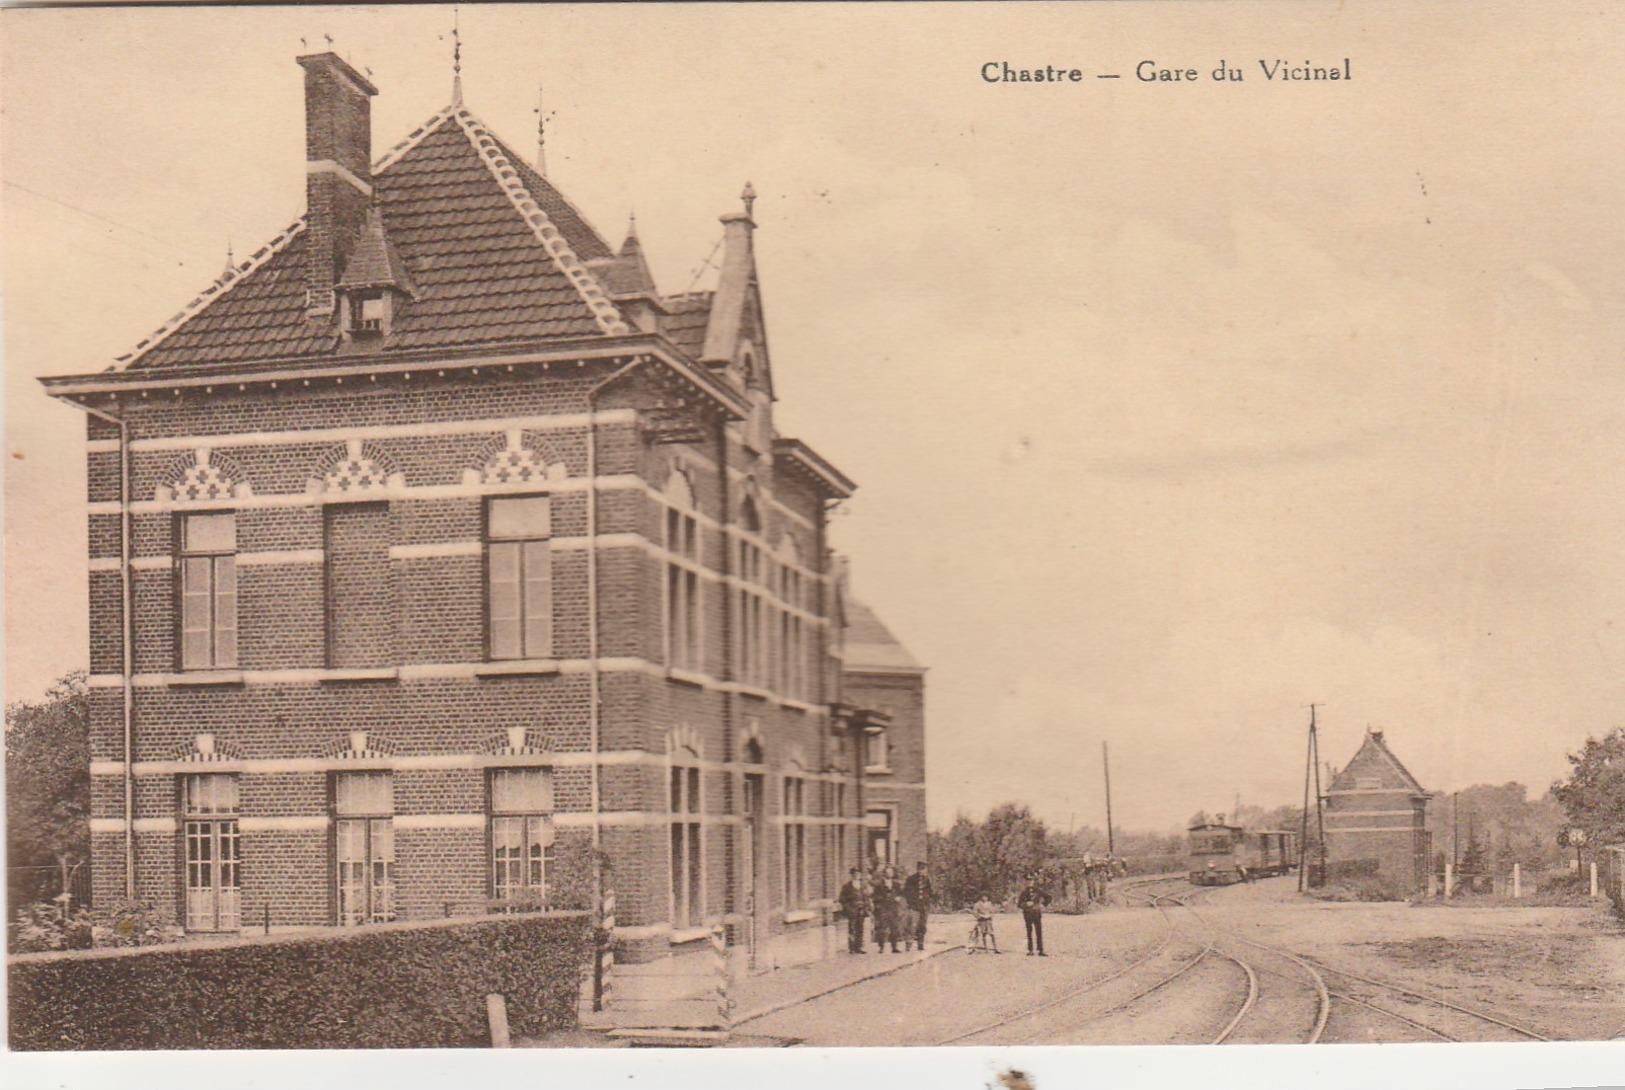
{"x": 606, "y": 950}
{"x": 719, "y": 970}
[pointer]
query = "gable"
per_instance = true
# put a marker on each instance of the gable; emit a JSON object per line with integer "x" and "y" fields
{"x": 484, "y": 269}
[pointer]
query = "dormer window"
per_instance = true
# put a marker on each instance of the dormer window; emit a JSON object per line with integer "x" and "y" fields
{"x": 370, "y": 317}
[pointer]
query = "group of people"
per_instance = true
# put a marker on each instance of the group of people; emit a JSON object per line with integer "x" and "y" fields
{"x": 899, "y": 909}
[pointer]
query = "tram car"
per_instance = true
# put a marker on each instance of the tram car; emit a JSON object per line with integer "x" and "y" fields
{"x": 1221, "y": 854}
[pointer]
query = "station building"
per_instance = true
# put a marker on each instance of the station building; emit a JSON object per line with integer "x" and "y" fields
{"x": 437, "y": 559}
{"x": 1376, "y": 822}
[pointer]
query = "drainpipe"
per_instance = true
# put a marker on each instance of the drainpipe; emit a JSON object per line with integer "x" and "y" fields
{"x": 594, "y": 710}
{"x": 127, "y": 616}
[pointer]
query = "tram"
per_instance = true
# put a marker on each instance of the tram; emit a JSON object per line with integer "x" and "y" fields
{"x": 1221, "y": 854}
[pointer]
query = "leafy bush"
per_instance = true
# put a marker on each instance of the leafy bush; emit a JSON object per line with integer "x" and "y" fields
{"x": 385, "y": 986}
{"x": 40, "y": 926}
{"x": 134, "y": 923}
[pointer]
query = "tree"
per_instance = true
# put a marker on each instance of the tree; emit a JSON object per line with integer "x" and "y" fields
{"x": 1593, "y": 794}
{"x": 991, "y": 857}
{"x": 47, "y": 791}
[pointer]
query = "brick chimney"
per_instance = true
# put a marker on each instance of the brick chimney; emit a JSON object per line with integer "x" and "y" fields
{"x": 338, "y": 171}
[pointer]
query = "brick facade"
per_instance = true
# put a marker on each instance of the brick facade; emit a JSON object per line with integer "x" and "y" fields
{"x": 363, "y": 615}
{"x": 1376, "y": 822}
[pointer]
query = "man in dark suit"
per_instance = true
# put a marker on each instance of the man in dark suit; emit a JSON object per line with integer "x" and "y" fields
{"x": 855, "y": 907}
{"x": 1032, "y": 902}
{"x": 917, "y": 892}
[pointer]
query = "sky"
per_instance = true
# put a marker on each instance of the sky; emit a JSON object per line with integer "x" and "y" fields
{"x": 1175, "y": 407}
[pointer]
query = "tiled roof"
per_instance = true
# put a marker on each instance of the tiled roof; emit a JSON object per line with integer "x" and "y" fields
{"x": 486, "y": 263}
{"x": 685, "y": 321}
{"x": 869, "y": 643}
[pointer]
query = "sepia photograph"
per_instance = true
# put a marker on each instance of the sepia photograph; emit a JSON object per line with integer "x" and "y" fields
{"x": 996, "y": 545}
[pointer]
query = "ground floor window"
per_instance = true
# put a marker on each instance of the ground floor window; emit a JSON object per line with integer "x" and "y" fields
{"x": 213, "y": 859}
{"x": 364, "y": 847}
{"x": 521, "y": 834}
{"x": 795, "y": 841}
{"x": 687, "y": 868}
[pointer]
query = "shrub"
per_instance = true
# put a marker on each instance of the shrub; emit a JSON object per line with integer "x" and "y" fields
{"x": 40, "y": 926}
{"x": 384, "y": 986}
{"x": 134, "y": 923}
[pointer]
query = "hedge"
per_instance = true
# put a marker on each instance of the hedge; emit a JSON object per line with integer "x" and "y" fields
{"x": 396, "y": 985}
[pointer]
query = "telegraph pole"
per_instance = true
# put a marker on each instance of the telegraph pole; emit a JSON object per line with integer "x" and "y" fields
{"x": 1311, "y": 774}
{"x": 1106, "y": 764}
{"x": 1320, "y": 798}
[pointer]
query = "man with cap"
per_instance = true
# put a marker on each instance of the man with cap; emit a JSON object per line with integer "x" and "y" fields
{"x": 1031, "y": 902}
{"x": 855, "y": 907}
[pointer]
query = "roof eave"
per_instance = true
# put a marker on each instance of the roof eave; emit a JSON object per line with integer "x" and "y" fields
{"x": 836, "y": 484}
{"x": 103, "y": 383}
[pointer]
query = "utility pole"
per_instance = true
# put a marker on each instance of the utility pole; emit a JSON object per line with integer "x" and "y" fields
{"x": 1106, "y": 763}
{"x": 1320, "y": 798}
{"x": 1311, "y": 774}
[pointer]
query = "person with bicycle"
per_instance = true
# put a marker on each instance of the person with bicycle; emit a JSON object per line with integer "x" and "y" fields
{"x": 981, "y": 935}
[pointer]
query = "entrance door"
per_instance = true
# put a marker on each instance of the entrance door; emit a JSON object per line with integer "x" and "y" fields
{"x": 750, "y": 850}
{"x": 877, "y": 838}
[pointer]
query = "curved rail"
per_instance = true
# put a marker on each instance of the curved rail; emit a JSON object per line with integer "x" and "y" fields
{"x": 1324, "y": 995}
{"x": 1435, "y": 1000}
{"x": 1074, "y": 993}
{"x": 1252, "y": 997}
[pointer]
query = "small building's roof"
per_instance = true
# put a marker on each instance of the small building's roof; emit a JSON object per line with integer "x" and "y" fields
{"x": 1374, "y": 760}
{"x": 870, "y": 646}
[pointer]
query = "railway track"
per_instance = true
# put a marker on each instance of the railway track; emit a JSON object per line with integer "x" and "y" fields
{"x": 1438, "y": 1005}
{"x": 1269, "y": 1011}
{"x": 1318, "y": 970}
{"x": 1208, "y": 949}
{"x": 1073, "y": 994}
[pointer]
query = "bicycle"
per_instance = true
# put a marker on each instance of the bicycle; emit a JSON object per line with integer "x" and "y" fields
{"x": 982, "y": 939}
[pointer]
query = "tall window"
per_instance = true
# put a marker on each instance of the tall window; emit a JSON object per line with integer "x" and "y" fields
{"x": 753, "y": 615}
{"x": 795, "y": 841}
{"x": 364, "y": 846}
{"x": 360, "y": 585}
{"x": 878, "y": 751}
{"x": 683, "y": 648}
{"x": 208, "y": 591}
{"x": 209, "y": 806}
{"x": 520, "y": 578}
{"x": 521, "y": 833}
{"x": 687, "y": 873}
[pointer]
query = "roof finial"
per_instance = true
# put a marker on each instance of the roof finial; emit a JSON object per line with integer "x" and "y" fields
{"x": 749, "y": 197}
{"x": 632, "y": 224}
{"x": 231, "y": 264}
{"x": 456, "y": 60}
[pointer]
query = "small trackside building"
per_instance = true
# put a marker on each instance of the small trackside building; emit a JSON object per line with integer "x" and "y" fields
{"x": 437, "y": 557}
{"x": 1376, "y": 823}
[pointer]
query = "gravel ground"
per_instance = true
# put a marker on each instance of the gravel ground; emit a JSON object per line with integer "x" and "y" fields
{"x": 1559, "y": 971}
